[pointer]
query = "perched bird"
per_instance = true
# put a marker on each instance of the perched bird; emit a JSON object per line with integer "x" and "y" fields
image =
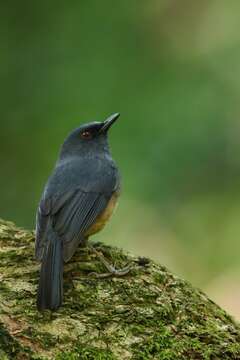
{"x": 77, "y": 201}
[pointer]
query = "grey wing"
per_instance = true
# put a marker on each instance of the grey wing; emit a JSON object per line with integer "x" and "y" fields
{"x": 42, "y": 219}
{"x": 70, "y": 219}
{"x": 74, "y": 219}
{"x": 47, "y": 208}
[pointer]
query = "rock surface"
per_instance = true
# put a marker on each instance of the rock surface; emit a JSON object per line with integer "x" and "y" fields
{"x": 148, "y": 314}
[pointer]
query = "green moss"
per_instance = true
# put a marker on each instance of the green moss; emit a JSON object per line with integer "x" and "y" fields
{"x": 83, "y": 352}
{"x": 8, "y": 346}
{"x": 148, "y": 314}
{"x": 167, "y": 344}
{"x": 157, "y": 346}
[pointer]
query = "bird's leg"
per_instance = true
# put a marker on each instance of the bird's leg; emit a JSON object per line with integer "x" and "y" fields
{"x": 84, "y": 243}
{"x": 112, "y": 271}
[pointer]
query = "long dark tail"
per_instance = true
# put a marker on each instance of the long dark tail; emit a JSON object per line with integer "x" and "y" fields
{"x": 50, "y": 289}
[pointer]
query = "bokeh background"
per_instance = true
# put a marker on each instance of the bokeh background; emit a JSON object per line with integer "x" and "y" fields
{"x": 172, "y": 69}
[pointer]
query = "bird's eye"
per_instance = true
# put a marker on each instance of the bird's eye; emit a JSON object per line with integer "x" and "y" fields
{"x": 86, "y": 135}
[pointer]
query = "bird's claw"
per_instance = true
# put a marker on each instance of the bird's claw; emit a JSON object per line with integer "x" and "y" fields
{"x": 113, "y": 272}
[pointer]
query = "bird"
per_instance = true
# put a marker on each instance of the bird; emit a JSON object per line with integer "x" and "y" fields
{"x": 77, "y": 202}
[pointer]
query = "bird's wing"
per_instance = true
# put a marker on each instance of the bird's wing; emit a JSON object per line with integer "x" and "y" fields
{"x": 74, "y": 219}
{"x": 70, "y": 215}
{"x": 47, "y": 208}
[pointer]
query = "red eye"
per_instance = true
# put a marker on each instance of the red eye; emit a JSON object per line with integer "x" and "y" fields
{"x": 86, "y": 135}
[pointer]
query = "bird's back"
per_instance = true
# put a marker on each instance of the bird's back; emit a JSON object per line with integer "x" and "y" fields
{"x": 99, "y": 174}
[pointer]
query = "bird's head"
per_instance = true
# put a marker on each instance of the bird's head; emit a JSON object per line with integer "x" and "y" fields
{"x": 89, "y": 139}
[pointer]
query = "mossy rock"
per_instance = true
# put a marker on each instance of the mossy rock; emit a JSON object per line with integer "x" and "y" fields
{"x": 148, "y": 314}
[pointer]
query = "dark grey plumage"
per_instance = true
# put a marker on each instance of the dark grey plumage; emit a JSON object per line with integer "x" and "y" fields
{"x": 77, "y": 192}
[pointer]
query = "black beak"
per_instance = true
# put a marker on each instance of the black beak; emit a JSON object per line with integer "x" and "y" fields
{"x": 108, "y": 123}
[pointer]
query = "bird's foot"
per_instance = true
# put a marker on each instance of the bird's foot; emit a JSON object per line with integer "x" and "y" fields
{"x": 112, "y": 271}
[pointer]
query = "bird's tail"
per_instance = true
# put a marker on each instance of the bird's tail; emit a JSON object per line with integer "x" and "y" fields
{"x": 50, "y": 289}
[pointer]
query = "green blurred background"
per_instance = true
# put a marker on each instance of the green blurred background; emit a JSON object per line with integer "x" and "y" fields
{"x": 172, "y": 69}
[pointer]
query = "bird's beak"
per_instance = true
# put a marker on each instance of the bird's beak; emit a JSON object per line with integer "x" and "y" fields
{"x": 108, "y": 123}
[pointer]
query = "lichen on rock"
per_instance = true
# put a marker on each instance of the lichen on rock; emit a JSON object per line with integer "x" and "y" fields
{"x": 149, "y": 314}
